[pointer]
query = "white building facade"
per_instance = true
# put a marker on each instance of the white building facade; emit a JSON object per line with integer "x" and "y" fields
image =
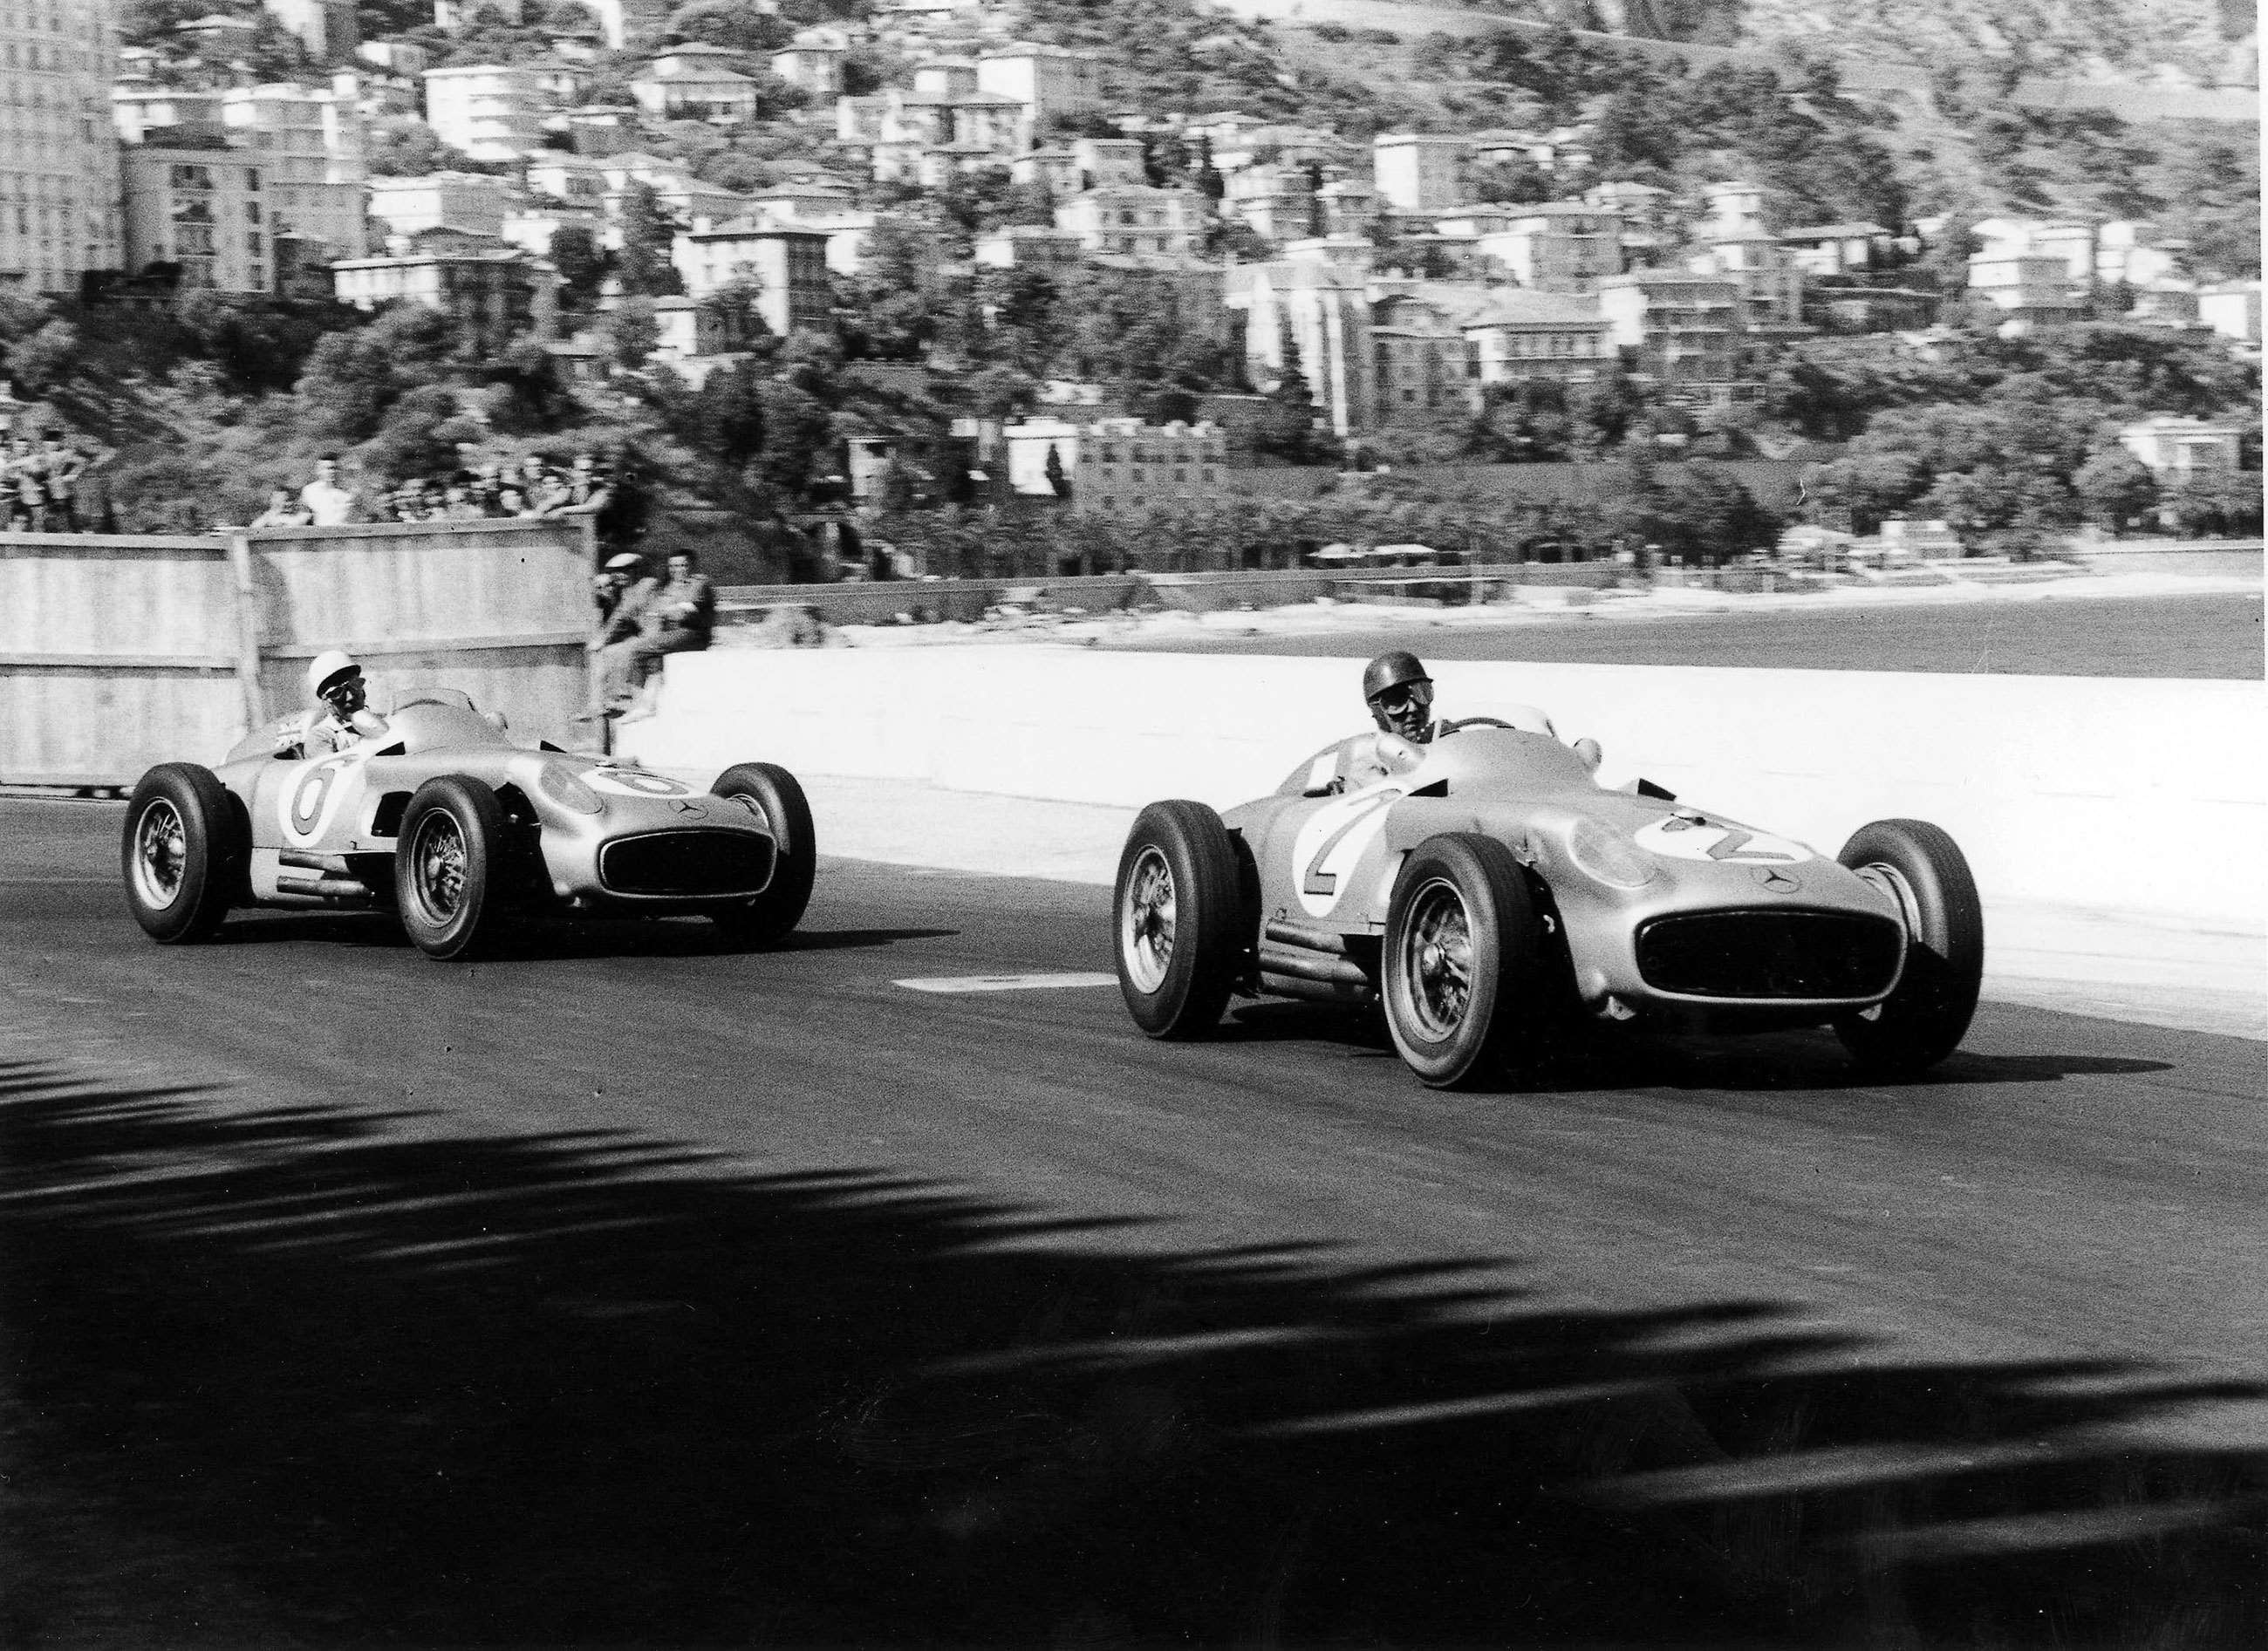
{"x": 59, "y": 169}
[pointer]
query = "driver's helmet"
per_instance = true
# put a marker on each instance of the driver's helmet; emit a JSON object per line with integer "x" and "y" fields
{"x": 328, "y": 669}
{"x": 1393, "y": 675}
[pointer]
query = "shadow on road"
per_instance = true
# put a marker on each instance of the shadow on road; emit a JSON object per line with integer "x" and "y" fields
{"x": 309, "y": 1375}
{"x": 564, "y": 938}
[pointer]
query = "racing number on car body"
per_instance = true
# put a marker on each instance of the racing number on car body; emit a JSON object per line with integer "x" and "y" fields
{"x": 1332, "y": 840}
{"x": 635, "y": 782}
{"x": 308, "y": 805}
{"x": 1684, "y": 836}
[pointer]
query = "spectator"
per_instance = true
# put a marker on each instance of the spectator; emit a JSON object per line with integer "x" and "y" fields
{"x": 586, "y": 489}
{"x": 26, "y": 472}
{"x": 676, "y": 618}
{"x": 65, "y": 464}
{"x": 283, "y": 510}
{"x": 329, "y": 503}
{"x": 511, "y": 502}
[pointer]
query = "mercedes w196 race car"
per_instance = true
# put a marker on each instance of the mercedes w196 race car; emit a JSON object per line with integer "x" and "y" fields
{"x": 1489, "y": 893}
{"x": 443, "y": 819}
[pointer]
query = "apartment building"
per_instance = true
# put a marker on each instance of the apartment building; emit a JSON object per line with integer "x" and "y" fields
{"x": 472, "y": 201}
{"x": 1557, "y": 245}
{"x": 201, "y": 210}
{"x": 813, "y": 61}
{"x": 489, "y": 111}
{"x": 309, "y": 140}
{"x": 2181, "y": 446}
{"x": 2033, "y": 289}
{"x": 1118, "y": 464}
{"x": 59, "y": 170}
{"x": 1135, "y": 218}
{"x": 1418, "y": 172}
{"x": 498, "y": 292}
{"x": 1047, "y": 80}
{"x": 787, "y": 268}
{"x": 1680, "y": 329}
{"x": 695, "y": 82}
{"x": 328, "y": 29}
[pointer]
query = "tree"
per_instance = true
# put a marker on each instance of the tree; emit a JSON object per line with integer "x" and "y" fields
{"x": 632, "y": 334}
{"x": 2115, "y": 488}
{"x": 1058, "y": 482}
{"x": 1286, "y": 429}
{"x": 735, "y": 25}
{"x": 582, "y": 266}
{"x": 40, "y": 361}
{"x": 649, "y": 233}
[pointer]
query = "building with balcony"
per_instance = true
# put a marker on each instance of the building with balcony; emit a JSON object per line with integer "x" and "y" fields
{"x": 488, "y": 111}
{"x": 495, "y": 291}
{"x": 786, "y": 269}
{"x": 1770, "y": 285}
{"x": 1116, "y": 465}
{"x": 1418, "y": 172}
{"x": 1557, "y": 245}
{"x": 2032, "y": 288}
{"x": 1046, "y": 80}
{"x": 1135, "y": 218}
{"x": 1681, "y": 330}
{"x": 1029, "y": 246}
{"x": 1838, "y": 249}
{"x": 59, "y": 163}
{"x": 1054, "y": 170}
{"x": 1315, "y": 314}
{"x": 2180, "y": 446}
{"x": 202, "y": 211}
{"x": 813, "y": 62}
{"x": 695, "y": 82}
{"x": 310, "y": 142}
{"x": 474, "y": 202}
{"x": 1276, "y": 203}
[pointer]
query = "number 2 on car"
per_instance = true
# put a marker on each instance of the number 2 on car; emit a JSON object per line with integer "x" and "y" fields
{"x": 1332, "y": 840}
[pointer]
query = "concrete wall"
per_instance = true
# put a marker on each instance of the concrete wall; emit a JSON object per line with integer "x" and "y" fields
{"x": 2117, "y": 794}
{"x": 117, "y": 652}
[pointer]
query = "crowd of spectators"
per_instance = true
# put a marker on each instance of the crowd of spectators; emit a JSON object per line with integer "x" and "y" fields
{"x": 529, "y": 486}
{"x": 39, "y": 483}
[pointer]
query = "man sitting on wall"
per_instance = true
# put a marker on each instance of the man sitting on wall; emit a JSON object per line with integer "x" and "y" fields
{"x": 330, "y": 504}
{"x": 676, "y": 618}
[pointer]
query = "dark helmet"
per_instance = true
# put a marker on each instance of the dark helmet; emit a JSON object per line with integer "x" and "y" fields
{"x": 1391, "y": 670}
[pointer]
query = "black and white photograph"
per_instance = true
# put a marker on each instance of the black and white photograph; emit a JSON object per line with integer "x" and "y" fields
{"x": 1106, "y": 824}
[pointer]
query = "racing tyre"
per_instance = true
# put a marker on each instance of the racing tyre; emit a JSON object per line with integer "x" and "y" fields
{"x": 1466, "y": 965}
{"x": 774, "y": 793}
{"x": 1922, "y": 1022}
{"x": 448, "y": 866}
{"x": 1178, "y": 919}
{"x": 185, "y": 852}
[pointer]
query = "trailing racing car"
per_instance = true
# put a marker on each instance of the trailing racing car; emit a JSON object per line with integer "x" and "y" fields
{"x": 1489, "y": 893}
{"x": 443, "y": 819}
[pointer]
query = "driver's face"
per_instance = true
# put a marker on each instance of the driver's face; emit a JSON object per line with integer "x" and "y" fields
{"x": 1405, "y": 710}
{"x": 347, "y": 695}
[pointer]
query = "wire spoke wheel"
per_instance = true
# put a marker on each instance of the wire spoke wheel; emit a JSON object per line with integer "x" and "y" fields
{"x": 1438, "y": 959}
{"x": 438, "y": 861}
{"x": 161, "y": 853}
{"x": 1145, "y": 936}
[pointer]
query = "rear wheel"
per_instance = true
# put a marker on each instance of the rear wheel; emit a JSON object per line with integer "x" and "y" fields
{"x": 1178, "y": 919}
{"x": 184, "y": 853}
{"x": 773, "y": 793}
{"x": 1923, "y": 869}
{"x": 448, "y": 866}
{"x": 1465, "y": 962}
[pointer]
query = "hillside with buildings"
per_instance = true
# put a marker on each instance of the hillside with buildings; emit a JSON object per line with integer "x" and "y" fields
{"x": 1050, "y": 266}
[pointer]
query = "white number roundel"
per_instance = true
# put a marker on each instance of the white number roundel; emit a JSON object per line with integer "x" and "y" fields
{"x": 634, "y": 783}
{"x": 1332, "y": 840}
{"x": 306, "y": 804}
{"x": 1682, "y": 839}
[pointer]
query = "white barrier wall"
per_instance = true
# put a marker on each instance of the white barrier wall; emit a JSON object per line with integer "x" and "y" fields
{"x": 2117, "y": 794}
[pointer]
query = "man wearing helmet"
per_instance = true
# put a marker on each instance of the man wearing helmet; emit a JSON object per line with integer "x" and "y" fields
{"x": 344, "y": 718}
{"x": 1400, "y": 695}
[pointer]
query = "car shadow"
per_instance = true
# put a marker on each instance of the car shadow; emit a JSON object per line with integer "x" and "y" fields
{"x": 1607, "y": 1057}
{"x": 563, "y": 939}
{"x": 351, "y": 1375}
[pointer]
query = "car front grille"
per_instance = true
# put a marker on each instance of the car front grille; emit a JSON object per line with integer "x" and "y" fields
{"x": 687, "y": 862}
{"x": 1767, "y": 955}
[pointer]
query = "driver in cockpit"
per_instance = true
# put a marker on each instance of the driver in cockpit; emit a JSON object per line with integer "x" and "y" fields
{"x": 345, "y": 719}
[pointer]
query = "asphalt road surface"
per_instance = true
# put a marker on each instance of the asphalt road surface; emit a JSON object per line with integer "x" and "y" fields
{"x": 631, "y": 1289}
{"x": 2215, "y": 635}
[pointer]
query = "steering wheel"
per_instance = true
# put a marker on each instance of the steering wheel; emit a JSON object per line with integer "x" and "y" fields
{"x": 1462, "y": 724}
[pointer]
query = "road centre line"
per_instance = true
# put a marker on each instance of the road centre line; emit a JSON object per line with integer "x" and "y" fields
{"x": 960, "y": 983}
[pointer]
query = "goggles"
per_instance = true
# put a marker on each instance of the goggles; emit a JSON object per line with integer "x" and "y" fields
{"x": 1405, "y": 696}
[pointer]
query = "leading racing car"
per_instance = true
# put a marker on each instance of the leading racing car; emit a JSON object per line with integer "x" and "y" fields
{"x": 1489, "y": 893}
{"x": 444, "y": 819}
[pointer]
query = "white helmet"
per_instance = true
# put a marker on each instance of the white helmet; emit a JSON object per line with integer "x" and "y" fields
{"x": 332, "y": 662}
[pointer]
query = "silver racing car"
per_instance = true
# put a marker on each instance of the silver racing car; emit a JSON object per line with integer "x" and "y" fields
{"x": 1489, "y": 893}
{"x": 444, "y": 820}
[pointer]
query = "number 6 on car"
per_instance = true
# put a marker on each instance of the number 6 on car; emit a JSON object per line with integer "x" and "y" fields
{"x": 1494, "y": 895}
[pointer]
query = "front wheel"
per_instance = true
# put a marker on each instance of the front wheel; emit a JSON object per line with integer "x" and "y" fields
{"x": 1466, "y": 965}
{"x": 774, "y": 795}
{"x": 1923, "y": 869}
{"x": 184, "y": 853}
{"x": 447, "y": 867}
{"x": 1177, "y": 918}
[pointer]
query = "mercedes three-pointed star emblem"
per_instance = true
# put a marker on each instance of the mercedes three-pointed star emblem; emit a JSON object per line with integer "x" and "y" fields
{"x": 1777, "y": 881}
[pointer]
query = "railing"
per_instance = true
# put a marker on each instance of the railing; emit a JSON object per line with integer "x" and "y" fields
{"x": 120, "y": 652}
